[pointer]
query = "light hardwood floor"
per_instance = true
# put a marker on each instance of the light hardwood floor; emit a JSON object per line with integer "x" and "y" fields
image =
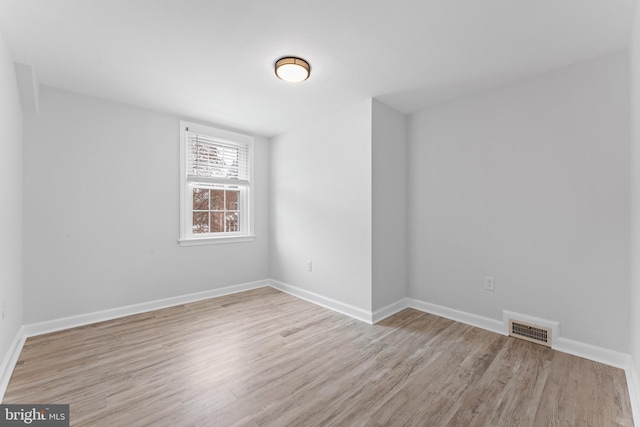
{"x": 266, "y": 358}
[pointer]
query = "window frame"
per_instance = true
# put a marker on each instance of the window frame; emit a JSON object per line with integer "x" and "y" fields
{"x": 245, "y": 202}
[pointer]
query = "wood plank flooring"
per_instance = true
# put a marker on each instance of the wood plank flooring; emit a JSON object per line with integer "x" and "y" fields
{"x": 269, "y": 359}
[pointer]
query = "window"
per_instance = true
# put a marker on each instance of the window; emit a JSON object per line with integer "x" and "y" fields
{"x": 215, "y": 185}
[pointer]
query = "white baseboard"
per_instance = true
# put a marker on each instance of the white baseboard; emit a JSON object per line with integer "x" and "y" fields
{"x": 459, "y": 316}
{"x": 114, "y": 313}
{"x": 565, "y": 345}
{"x": 587, "y": 351}
{"x": 10, "y": 359}
{"x": 633, "y": 382}
{"x": 592, "y": 352}
{"x": 390, "y": 310}
{"x": 331, "y": 304}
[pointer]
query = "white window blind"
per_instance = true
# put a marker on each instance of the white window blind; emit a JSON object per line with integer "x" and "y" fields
{"x": 216, "y": 161}
{"x": 216, "y": 196}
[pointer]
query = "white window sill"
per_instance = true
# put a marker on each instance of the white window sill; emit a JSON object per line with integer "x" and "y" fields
{"x": 214, "y": 240}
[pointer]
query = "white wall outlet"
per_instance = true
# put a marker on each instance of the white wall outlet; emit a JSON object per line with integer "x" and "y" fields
{"x": 489, "y": 283}
{"x": 4, "y": 308}
{"x": 309, "y": 265}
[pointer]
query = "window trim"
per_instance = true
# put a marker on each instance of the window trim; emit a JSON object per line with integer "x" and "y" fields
{"x": 187, "y": 238}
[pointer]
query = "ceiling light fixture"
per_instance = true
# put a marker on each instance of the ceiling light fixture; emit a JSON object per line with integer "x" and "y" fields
{"x": 292, "y": 69}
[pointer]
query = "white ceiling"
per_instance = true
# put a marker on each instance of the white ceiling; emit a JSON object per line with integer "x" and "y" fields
{"x": 213, "y": 60}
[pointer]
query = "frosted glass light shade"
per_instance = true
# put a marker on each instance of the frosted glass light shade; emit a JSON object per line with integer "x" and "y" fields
{"x": 291, "y": 69}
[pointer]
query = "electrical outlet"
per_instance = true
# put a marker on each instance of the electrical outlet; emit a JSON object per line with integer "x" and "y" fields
{"x": 4, "y": 308}
{"x": 489, "y": 283}
{"x": 309, "y": 265}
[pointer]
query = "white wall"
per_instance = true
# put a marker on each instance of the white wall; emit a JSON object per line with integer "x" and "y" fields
{"x": 635, "y": 199}
{"x": 101, "y": 209}
{"x": 321, "y": 206}
{"x": 389, "y": 205}
{"x": 528, "y": 183}
{"x": 11, "y": 200}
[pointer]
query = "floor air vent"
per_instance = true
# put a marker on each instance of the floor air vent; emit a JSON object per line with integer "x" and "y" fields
{"x": 533, "y": 333}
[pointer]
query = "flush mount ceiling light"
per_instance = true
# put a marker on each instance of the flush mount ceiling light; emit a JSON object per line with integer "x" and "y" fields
{"x": 292, "y": 69}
